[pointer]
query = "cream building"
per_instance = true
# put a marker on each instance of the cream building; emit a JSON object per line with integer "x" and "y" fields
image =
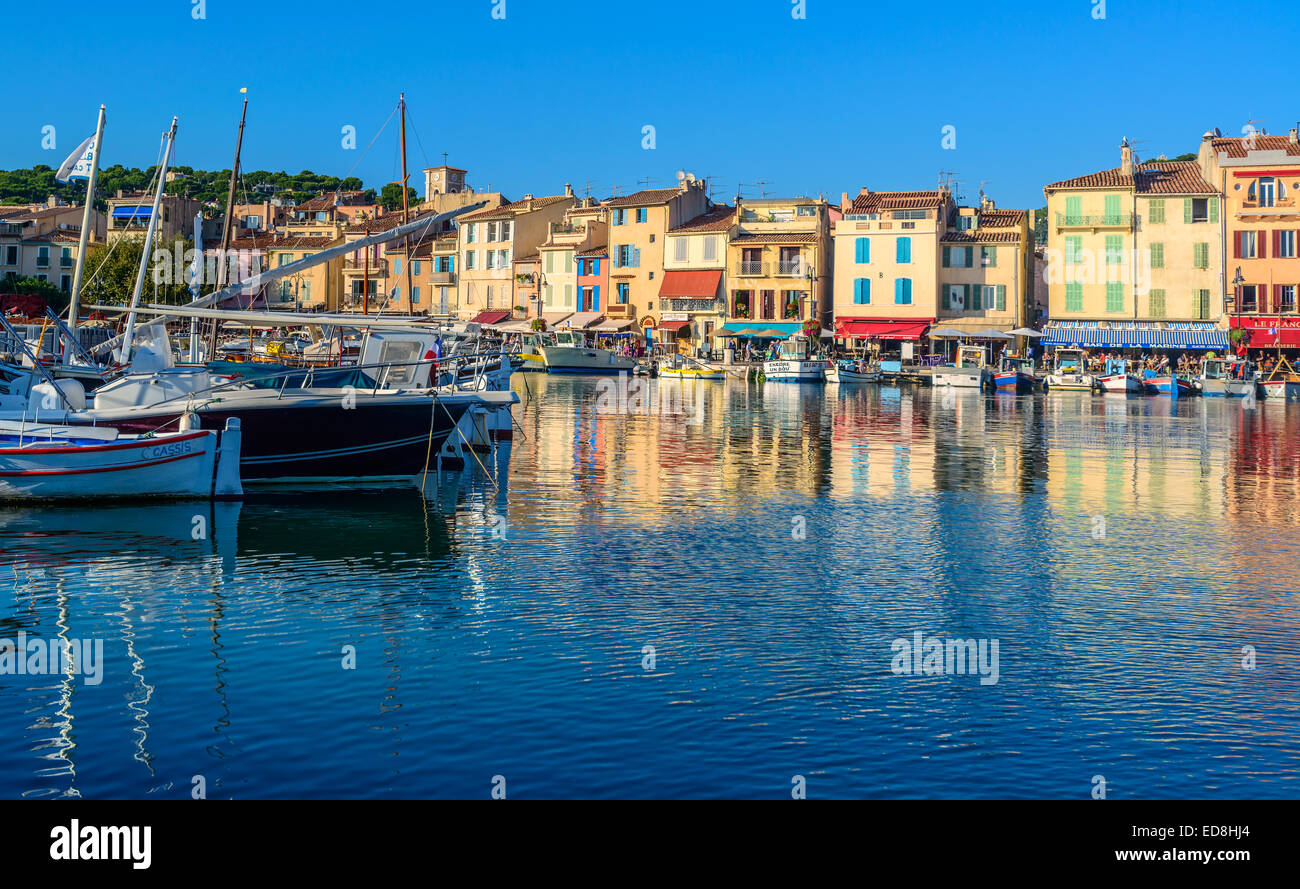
{"x": 1135, "y": 252}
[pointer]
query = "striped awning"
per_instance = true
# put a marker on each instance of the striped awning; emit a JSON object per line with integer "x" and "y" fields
{"x": 1187, "y": 336}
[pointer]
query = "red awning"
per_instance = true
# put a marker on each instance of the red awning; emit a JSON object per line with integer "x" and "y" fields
{"x": 489, "y": 317}
{"x": 1269, "y": 331}
{"x": 672, "y": 326}
{"x": 690, "y": 285}
{"x": 883, "y": 328}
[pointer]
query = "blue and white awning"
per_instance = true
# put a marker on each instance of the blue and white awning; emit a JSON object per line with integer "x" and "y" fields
{"x": 1088, "y": 335}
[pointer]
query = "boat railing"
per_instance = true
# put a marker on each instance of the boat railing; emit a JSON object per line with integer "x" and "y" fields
{"x": 381, "y": 371}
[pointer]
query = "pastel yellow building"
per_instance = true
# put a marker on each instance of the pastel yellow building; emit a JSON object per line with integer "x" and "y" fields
{"x": 1137, "y": 243}
{"x": 986, "y": 268}
{"x": 779, "y": 264}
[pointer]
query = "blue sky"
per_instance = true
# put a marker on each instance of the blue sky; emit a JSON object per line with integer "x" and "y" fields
{"x": 852, "y": 95}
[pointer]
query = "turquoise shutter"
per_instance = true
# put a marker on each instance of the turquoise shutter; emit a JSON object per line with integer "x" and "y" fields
{"x": 946, "y": 296}
{"x": 898, "y": 290}
{"x": 947, "y": 258}
{"x": 1002, "y": 297}
{"x": 970, "y": 257}
{"x": 974, "y": 300}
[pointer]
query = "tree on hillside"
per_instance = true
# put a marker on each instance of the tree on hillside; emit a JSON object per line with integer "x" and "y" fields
{"x": 390, "y": 198}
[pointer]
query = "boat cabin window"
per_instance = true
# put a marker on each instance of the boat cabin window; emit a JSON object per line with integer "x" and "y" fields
{"x": 401, "y": 355}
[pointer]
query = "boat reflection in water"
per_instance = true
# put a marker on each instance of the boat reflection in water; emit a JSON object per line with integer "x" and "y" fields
{"x": 766, "y": 547}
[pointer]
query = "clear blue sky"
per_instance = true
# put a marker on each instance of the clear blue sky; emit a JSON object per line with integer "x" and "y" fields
{"x": 854, "y": 94}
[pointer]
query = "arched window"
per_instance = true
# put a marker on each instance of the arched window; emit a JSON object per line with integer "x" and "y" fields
{"x": 1264, "y": 191}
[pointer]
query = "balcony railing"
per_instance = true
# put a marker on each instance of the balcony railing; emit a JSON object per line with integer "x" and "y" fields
{"x": 65, "y": 262}
{"x": 378, "y": 267}
{"x": 791, "y": 267}
{"x": 443, "y": 278}
{"x": 620, "y": 310}
{"x": 1109, "y": 220}
{"x": 751, "y": 269}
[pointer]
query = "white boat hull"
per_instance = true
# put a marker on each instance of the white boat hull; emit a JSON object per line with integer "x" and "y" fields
{"x": 57, "y": 465}
{"x": 581, "y": 359}
{"x": 795, "y": 371}
{"x": 960, "y": 377}
{"x": 1070, "y": 382}
{"x": 1280, "y": 390}
{"x": 836, "y": 374}
{"x": 1121, "y": 383}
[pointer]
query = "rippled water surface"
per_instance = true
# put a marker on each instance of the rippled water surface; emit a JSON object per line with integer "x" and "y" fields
{"x": 632, "y": 603}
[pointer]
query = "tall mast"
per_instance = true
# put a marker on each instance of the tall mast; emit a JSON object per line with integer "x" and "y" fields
{"x": 125, "y": 352}
{"x": 227, "y": 224}
{"x": 406, "y": 242}
{"x": 74, "y": 307}
{"x": 365, "y": 285}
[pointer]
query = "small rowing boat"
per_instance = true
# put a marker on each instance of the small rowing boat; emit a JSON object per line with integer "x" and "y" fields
{"x": 50, "y": 462}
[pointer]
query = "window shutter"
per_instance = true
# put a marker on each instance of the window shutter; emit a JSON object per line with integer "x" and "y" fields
{"x": 947, "y": 297}
{"x": 1236, "y": 245}
{"x": 1187, "y": 209}
{"x": 969, "y": 256}
{"x": 1261, "y": 245}
{"x": 947, "y": 259}
{"x": 1277, "y": 242}
{"x": 1002, "y": 297}
{"x": 898, "y": 290}
{"x": 1214, "y": 209}
{"x": 993, "y": 257}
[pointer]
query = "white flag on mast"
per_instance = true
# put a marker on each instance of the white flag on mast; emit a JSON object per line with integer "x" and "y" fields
{"x": 77, "y": 166}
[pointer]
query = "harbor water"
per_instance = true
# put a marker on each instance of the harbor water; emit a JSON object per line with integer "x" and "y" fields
{"x": 699, "y": 589}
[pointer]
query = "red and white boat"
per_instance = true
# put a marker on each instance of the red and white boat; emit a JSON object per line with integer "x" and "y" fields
{"x": 1118, "y": 379}
{"x": 49, "y": 462}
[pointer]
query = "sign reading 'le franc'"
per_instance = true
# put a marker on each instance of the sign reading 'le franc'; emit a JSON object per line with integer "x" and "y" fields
{"x": 1265, "y": 322}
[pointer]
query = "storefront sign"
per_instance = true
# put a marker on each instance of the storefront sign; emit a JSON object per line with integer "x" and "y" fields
{"x": 676, "y": 316}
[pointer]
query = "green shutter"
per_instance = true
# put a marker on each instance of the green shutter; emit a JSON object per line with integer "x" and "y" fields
{"x": 974, "y": 301}
{"x": 1202, "y": 255}
{"x": 1002, "y": 297}
{"x": 947, "y": 258}
{"x": 947, "y": 296}
{"x": 1112, "y": 209}
{"x": 1187, "y": 209}
{"x": 1157, "y": 303}
{"x": 1073, "y": 210}
{"x": 1157, "y": 210}
{"x": 1214, "y": 209}
{"x": 1157, "y": 256}
{"x": 1204, "y": 304}
{"x": 1074, "y": 297}
{"x": 991, "y": 255}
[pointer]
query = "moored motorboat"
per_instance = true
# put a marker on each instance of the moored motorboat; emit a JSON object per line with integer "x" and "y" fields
{"x": 570, "y": 353}
{"x": 1070, "y": 372}
{"x": 970, "y": 370}
{"x": 795, "y": 364}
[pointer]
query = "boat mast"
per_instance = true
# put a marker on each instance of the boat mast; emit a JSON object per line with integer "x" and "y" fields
{"x": 406, "y": 242}
{"x": 227, "y": 224}
{"x": 365, "y": 285}
{"x": 74, "y": 307}
{"x": 124, "y": 354}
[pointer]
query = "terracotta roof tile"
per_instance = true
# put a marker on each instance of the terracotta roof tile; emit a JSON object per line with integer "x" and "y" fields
{"x": 1155, "y": 177}
{"x": 775, "y": 238}
{"x": 1001, "y": 218}
{"x": 515, "y": 208}
{"x": 642, "y": 198}
{"x": 876, "y": 201}
{"x": 980, "y": 236}
{"x": 1235, "y": 147}
{"x": 718, "y": 219}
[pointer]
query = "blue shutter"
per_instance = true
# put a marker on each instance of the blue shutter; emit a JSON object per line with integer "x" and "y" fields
{"x": 595, "y": 298}
{"x": 898, "y": 291}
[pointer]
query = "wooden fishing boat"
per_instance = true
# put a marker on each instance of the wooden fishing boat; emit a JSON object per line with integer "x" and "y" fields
{"x": 852, "y": 372}
{"x": 795, "y": 364}
{"x": 1117, "y": 378}
{"x": 62, "y": 462}
{"x": 1167, "y": 384}
{"x": 1014, "y": 375}
{"x": 679, "y": 367}
{"x": 1282, "y": 383}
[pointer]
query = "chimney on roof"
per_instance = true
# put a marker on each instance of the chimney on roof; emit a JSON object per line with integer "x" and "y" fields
{"x": 986, "y": 202}
{"x": 568, "y": 190}
{"x": 1293, "y": 137}
{"x": 1126, "y": 158}
{"x": 119, "y": 192}
{"x": 844, "y": 202}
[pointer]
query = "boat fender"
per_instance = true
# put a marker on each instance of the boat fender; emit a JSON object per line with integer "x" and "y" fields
{"x": 189, "y": 421}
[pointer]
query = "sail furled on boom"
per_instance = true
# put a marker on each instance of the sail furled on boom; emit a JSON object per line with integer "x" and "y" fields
{"x": 270, "y": 276}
